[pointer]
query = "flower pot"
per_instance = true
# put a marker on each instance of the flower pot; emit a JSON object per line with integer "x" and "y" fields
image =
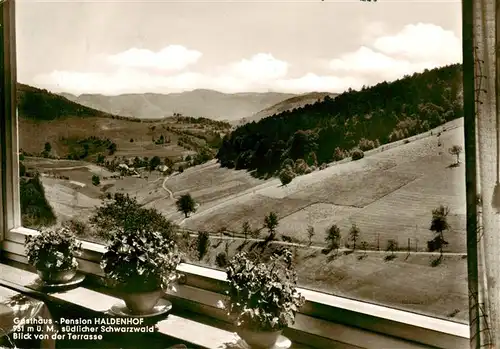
{"x": 140, "y": 303}
{"x": 57, "y": 276}
{"x": 259, "y": 339}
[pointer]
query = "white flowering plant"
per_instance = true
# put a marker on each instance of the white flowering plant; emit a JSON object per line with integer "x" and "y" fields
{"x": 262, "y": 296}
{"x": 53, "y": 250}
{"x": 141, "y": 260}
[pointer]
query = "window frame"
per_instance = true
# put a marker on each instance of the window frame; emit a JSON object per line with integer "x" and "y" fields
{"x": 201, "y": 282}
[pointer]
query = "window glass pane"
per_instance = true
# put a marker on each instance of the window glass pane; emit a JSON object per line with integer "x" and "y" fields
{"x": 333, "y": 129}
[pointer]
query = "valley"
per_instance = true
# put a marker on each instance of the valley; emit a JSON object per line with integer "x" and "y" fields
{"x": 352, "y": 160}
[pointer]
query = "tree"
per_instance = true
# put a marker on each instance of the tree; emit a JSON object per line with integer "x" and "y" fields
{"x": 357, "y": 154}
{"x": 137, "y": 162}
{"x": 186, "y": 204}
{"x": 221, "y": 231}
{"x": 131, "y": 140}
{"x": 310, "y": 234}
{"x": 456, "y": 150}
{"x": 125, "y": 214}
{"x": 96, "y": 180}
{"x": 100, "y": 159}
{"x": 300, "y": 166}
{"x": 364, "y": 246}
{"x": 154, "y": 163}
{"x": 36, "y": 211}
{"x": 288, "y": 163}
{"x": 22, "y": 169}
{"x": 168, "y": 162}
{"x": 47, "y": 147}
{"x": 439, "y": 224}
{"x": 221, "y": 260}
{"x": 286, "y": 176}
{"x": 354, "y": 235}
{"x": 312, "y": 159}
{"x": 202, "y": 243}
{"x": 338, "y": 154}
{"x": 112, "y": 148}
{"x": 332, "y": 237}
{"x": 255, "y": 233}
{"x": 391, "y": 246}
{"x": 271, "y": 222}
{"x": 245, "y": 228}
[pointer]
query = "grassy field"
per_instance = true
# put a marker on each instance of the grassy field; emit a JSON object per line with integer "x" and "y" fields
{"x": 119, "y": 131}
{"x": 406, "y": 282}
{"x": 388, "y": 195}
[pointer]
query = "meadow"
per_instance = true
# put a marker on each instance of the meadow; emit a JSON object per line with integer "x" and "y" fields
{"x": 389, "y": 194}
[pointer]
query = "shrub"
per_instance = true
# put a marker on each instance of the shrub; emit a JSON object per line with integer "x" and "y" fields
{"x": 357, "y": 154}
{"x": 300, "y": 166}
{"x": 221, "y": 260}
{"x": 96, "y": 180}
{"x": 286, "y": 176}
{"x": 263, "y": 296}
{"x": 141, "y": 261}
{"x": 53, "y": 250}
{"x": 366, "y": 144}
{"x": 288, "y": 162}
{"x": 202, "y": 243}
{"x": 339, "y": 154}
{"x": 124, "y": 214}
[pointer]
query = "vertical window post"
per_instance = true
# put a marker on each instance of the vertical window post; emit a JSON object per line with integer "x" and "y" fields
{"x": 10, "y": 208}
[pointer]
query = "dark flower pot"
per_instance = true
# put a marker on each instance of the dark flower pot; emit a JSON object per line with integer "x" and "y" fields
{"x": 57, "y": 276}
{"x": 141, "y": 303}
{"x": 259, "y": 339}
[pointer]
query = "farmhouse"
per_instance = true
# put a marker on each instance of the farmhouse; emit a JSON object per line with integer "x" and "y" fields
{"x": 162, "y": 168}
{"x": 125, "y": 170}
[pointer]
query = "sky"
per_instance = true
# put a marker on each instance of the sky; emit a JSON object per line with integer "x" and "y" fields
{"x": 115, "y": 47}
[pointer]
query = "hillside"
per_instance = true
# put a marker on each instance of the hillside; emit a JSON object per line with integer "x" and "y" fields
{"x": 64, "y": 141}
{"x": 332, "y": 129}
{"x": 196, "y": 103}
{"x": 39, "y": 104}
{"x": 389, "y": 195}
{"x": 288, "y": 104}
{"x": 81, "y": 133}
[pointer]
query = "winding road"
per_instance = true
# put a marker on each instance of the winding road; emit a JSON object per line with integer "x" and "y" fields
{"x": 164, "y": 186}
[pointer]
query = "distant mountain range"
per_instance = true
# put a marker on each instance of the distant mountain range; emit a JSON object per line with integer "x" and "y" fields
{"x": 197, "y": 103}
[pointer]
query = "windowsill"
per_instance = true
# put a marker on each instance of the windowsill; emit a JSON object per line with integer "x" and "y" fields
{"x": 330, "y": 317}
{"x": 174, "y": 326}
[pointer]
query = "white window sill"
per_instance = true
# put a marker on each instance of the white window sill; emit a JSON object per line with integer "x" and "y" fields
{"x": 322, "y": 315}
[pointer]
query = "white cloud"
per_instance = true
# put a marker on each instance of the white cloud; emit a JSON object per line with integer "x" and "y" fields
{"x": 122, "y": 81}
{"x": 132, "y": 81}
{"x": 262, "y": 66}
{"x": 422, "y": 42}
{"x": 413, "y": 49}
{"x": 385, "y": 57}
{"x": 173, "y": 57}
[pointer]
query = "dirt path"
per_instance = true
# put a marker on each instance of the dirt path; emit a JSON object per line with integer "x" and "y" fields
{"x": 63, "y": 168}
{"x": 164, "y": 186}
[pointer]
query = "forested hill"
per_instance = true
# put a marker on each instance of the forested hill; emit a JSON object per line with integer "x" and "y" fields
{"x": 332, "y": 128}
{"x": 39, "y": 104}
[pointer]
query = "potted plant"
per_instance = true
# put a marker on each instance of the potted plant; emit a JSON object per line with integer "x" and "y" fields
{"x": 142, "y": 264}
{"x": 263, "y": 298}
{"x": 53, "y": 253}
